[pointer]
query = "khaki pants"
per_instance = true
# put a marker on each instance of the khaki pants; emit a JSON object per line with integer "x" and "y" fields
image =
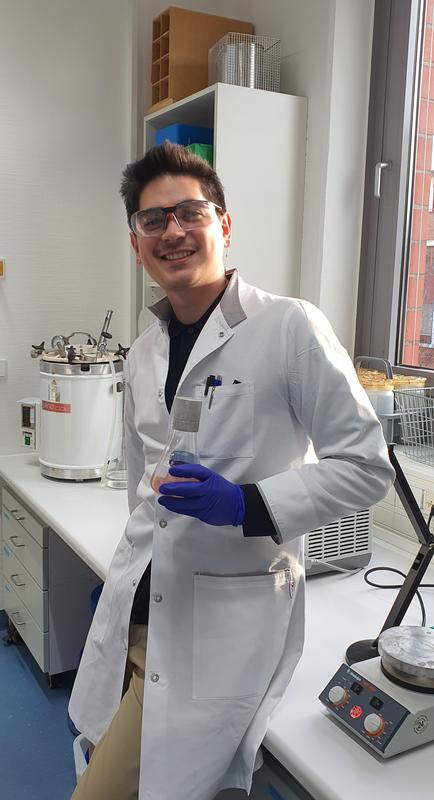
{"x": 113, "y": 770}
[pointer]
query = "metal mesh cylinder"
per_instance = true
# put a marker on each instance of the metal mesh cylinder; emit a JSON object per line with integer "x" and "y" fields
{"x": 416, "y": 407}
{"x": 245, "y": 60}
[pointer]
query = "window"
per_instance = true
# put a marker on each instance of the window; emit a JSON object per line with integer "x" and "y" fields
{"x": 396, "y": 288}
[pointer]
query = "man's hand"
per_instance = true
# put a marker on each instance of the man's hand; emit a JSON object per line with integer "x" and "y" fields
{"x": 210, "y": 497}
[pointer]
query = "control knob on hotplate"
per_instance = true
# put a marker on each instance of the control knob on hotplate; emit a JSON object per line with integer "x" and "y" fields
{"x": 338, "y": 696}
{"x": 373, "y": 724}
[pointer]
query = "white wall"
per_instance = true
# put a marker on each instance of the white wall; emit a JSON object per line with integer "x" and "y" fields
{"x": 326, "y": 52}
{"x": 65, "y": 136}
{"x": 343, "y": 207}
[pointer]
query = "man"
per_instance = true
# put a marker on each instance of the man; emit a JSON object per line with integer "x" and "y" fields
{"x": 214, "y": 629}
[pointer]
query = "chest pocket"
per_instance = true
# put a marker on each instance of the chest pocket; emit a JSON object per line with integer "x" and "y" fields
{"x": 226, "y": 429}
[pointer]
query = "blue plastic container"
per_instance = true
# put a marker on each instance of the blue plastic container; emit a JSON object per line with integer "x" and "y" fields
{"x": 185, "y": 134}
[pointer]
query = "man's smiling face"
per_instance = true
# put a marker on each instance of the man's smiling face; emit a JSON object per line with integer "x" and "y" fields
{"x": 179, "y": 259}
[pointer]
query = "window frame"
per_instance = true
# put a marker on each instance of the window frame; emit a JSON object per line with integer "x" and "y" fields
{"x": 395, "y": 75}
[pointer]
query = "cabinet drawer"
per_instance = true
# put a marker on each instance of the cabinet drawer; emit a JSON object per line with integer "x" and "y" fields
{"x": 26, "y": 588}
{"x": 23, "y": 516}
{"x": 35, "y": 639}
{"x": 33, "y": 557}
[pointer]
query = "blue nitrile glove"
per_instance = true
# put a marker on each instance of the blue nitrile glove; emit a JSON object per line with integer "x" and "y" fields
{"x": 211, "y": 498}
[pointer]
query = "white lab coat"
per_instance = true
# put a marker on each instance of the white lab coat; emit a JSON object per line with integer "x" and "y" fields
{"x": 226, "y": 622}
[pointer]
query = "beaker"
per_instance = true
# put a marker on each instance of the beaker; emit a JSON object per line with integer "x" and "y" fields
{"x": 116, "y": 476}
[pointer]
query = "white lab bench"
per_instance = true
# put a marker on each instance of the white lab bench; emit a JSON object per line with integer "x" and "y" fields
{"x": 340, "y": 609}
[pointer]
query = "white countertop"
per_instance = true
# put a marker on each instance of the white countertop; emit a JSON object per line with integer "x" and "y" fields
{"x": 91, "y": 519}
{"x": 340, "y": 609}
{"x": 330, "y": 764}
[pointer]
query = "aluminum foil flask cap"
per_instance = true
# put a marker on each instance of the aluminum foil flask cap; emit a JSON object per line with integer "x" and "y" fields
{"x": 186, "y": 414}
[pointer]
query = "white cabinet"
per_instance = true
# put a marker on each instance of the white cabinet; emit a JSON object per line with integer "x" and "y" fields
{"x": 259, "y": 155}
{"x": 46, "y": 587}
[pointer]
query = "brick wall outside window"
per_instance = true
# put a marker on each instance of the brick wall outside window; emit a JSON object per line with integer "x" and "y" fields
{"x": 418, "y": 347}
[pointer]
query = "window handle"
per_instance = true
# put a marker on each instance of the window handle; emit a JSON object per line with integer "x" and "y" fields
{"x": 380, "y": 165}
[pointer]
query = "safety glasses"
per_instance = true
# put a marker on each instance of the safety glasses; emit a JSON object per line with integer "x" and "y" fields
{"x": 189, "y": 214}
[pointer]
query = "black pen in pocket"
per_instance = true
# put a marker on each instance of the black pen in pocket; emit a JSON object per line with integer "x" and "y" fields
{"x": 216, "y": 382}
{"x": 208, "y": 383}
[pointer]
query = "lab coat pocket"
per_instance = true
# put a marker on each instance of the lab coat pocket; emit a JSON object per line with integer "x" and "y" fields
{"x": 240, "y": 625}
{"x": 226, "y": 429}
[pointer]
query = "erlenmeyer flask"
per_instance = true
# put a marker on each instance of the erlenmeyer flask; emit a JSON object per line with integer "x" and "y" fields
{"x": 181, "y": 447}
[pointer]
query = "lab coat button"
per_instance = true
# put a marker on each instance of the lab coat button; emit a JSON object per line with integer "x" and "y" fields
{"x": 134, "y": 582}
{"x": 158, "y": 598}
{"x": 163, "y": 523}
{"x": 221, "y": 334}
{"x": 160, "y": 394}
{"x": 155, "y": 677}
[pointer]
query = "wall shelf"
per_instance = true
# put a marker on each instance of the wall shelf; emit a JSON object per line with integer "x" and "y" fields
{"x": 186, "y": 37}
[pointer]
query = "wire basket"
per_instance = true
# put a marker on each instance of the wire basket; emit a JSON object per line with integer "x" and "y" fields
{"x": 245, "y": 60}
{"x": 416, "y": 407}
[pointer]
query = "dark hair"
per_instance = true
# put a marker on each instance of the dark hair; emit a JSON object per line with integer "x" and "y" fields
{"x": 169, "y": 159}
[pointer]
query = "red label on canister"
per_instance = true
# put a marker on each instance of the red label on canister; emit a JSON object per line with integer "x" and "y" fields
{"x": 59, "y": 408}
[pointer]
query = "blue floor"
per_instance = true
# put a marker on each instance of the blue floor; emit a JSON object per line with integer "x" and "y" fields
{"x": 36, "y": 760}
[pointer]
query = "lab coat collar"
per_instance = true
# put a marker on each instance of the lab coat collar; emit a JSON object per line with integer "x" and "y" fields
{"x": 230, "y": 304}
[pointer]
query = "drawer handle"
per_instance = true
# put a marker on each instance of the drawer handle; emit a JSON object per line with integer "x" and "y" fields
{"x": 13, "y": 579}
{"x": 16, "y": 622}
{"x": 14, "y": 543}
{"x": 14, "y": 512}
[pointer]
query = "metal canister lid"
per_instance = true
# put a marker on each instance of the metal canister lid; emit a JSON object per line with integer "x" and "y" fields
{"x": 48, "y": 366}
{"x": 186, "y": 414}
{"x": 407, "y": 654}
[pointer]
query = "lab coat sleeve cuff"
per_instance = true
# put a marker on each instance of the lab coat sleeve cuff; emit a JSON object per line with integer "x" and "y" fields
{"x": 257, "y": 520}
